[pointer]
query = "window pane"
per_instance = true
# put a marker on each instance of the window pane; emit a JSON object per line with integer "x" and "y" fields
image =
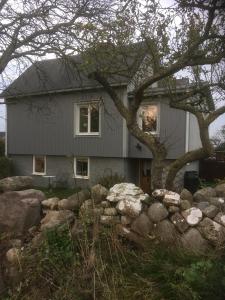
{"x": 83, "y": 119}
{"x": 82, "y": 167}
{"x": 94, "y": 110}
{"x": 149, "y": 118}
{"x": 39, "y": 166}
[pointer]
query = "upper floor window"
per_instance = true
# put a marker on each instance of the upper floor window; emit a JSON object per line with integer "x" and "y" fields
{"x": 148, "y": 118}
{"x": 88, "y": 119}
{"x": 39, "y": 164}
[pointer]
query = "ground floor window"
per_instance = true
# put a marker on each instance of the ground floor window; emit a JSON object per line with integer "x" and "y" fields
{"x": 39, "y": 164}
{"x": 81, "y": 167}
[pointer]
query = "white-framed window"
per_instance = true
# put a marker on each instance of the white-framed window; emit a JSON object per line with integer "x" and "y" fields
{"x": 148, "y": 118}
{"x": 81, "y": 167}
{"x": 87, "y": 119}
{"x": 39, "y": 164}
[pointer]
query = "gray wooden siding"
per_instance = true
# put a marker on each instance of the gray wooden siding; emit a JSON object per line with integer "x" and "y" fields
{"x": 172, "y": 132}
{"x": 45, "y": 125}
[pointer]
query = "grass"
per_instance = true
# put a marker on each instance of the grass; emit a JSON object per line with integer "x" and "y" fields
{"x": 98, "y": 265}
{"x": 58, "y": 192}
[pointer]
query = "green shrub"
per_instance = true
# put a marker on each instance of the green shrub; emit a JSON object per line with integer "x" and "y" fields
{"x": 5, "y": 167}
{"x": 110, "y": 180}
{"x": 2, "y": 147}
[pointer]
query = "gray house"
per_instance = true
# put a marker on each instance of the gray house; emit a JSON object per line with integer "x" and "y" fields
{"x": 63, "y": 124}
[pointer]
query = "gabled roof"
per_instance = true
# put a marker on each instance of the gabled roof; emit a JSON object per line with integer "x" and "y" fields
{"x": 57, "y": 75}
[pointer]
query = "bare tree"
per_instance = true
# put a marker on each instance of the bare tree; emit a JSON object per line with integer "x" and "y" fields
{"x": 35, "y": 28}
{"x": 188, "y": 37}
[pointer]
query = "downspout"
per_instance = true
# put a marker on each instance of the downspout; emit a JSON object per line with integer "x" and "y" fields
{"x": 187, "y": 132}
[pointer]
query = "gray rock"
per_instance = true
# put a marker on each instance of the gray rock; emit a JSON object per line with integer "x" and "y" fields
{"x": 220, "y": 190}
{"x": 192, "y": 216}
{"x": 13, "y": 256}
{"x": 204, "y": 194}
{"x": 186, "y": 195}
{"x": 55, "y": 218}
{"x": 16, "y": 183}
{"x": 99, "y": 193}
{"x": 173, "y": 209}
{"x": 202, "y": 205}
{"x": 76, "y": 200}
{"x": 18, "y": 215}
{"x": 220, "y": 218}
{"x": 130, "y": 235}
{"x": 157, "y": 212}
{"x": 142, "y": 225}
{"x": 68, "y": 204}
{"x": 218, "y": 201}
{"x": 171, "y": 198}
{"x": 185, "y": 204}
{"x": 210, "y": 211}
{"x": 166, "y": 232}
{"x": 50, "y": 203}
{"x": 110, "y": 211}
{"x": 193, "y": 242}
{"x": 212, "y": 231}
{"x": 109, "y": 220}
{"x": 125, "y": 220}
{"x": 105, "y": 204}
{"x": 179, "y": 222}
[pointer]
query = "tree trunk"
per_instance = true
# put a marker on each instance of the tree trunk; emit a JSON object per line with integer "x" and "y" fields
{"x": 156, "y": 173}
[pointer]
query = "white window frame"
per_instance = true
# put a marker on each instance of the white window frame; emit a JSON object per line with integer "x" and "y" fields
{"x": 39, "y": 173}
{"x": 139, "y": 119}
{"x": 77, "y": 118}
{"x": 75, "y": 168}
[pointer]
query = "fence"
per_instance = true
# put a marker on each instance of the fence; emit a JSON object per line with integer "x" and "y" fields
{"x": 211, "y": 169}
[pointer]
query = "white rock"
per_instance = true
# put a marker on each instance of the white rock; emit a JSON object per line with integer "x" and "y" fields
{"x": 192, "y": 215}
{"x": 159, "y": 193}
{"x": 121, "y": 190}
{"x": 129, "y": 207}
{"x": 171, "y": 198}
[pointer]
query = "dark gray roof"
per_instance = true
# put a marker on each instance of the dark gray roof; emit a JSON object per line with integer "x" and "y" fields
{"x": 71, "y": 73}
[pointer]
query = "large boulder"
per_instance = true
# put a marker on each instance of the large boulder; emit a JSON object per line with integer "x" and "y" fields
{"x": 142, "y": 225}
{"x": 193, "y": 242}
{"x": 18, "y": 215}
{"x": 128, "y": 191}
{"x": 212, "y": 231}
{"x": 98, "y": 193}
{"x": 220, "y": 190}
{"x": 55, "y": 218}
{"x": 204, "y": 194}
{"x": 157, "y": 212}
{"x": 30, "y": 193}
{"x": 166, "y": 232}
{"x": 220, "y": 218}
{"x": 16, "y": 183}
{"x": 129, "y": 198}
{"x": 218, "y": 202}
